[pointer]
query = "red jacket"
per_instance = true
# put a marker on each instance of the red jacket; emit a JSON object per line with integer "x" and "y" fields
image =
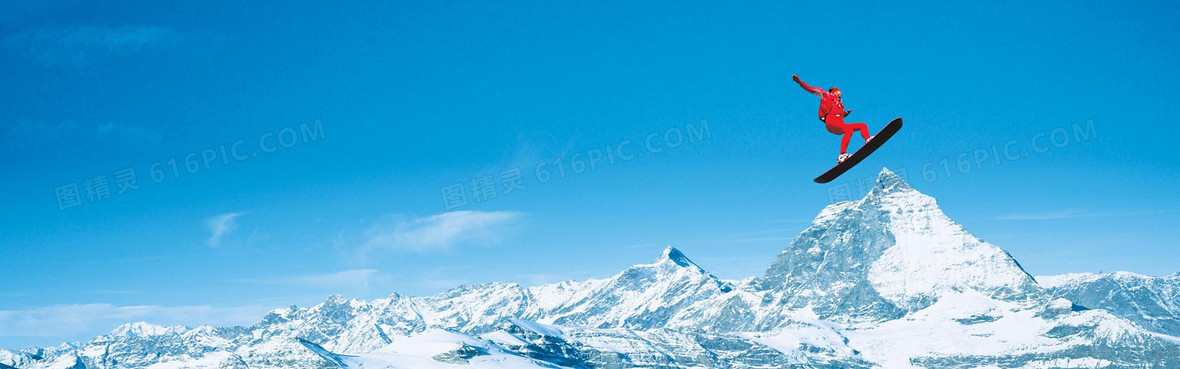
{"x": 831, "y": 109}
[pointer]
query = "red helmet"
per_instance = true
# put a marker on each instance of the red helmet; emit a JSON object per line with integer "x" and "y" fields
{"x": 833, "y": 89}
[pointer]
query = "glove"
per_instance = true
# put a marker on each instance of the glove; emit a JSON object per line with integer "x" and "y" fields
{"x": 847, "y": 112}
{"x": 795, "y": 77}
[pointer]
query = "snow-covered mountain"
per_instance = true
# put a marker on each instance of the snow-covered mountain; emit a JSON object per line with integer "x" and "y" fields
{"x": 1150, "y": 302}
{"x": 885, "y": 281}
{"x": 892, "y": 253}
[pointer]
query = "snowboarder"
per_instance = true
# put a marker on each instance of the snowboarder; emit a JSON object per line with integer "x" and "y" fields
{"x": 832, "y": 113}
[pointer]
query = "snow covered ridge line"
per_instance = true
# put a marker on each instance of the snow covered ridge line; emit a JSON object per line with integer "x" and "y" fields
{"x": 1150, "y": 302}
{"x": 143, "y": 329}
{"x": 884, "y": 281}
{"x": 1051, "y": 281}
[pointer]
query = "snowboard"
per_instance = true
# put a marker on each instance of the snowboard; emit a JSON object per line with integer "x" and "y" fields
{"x": 861, "y": 153}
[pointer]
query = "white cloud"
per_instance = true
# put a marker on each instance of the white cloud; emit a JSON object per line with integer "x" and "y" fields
{"x": 441, "y": 231}
{"x": 220, "y": 226}
{"x": 348, "y": 280}
{"x": 79, "y": 45}
{"x": 41, "y": 325}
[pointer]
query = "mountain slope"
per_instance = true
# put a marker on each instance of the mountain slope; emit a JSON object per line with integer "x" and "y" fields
{"x": 1151, "y": 302}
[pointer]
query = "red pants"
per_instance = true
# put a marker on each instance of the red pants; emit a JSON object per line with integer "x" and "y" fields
{"x": 838, "y": 126}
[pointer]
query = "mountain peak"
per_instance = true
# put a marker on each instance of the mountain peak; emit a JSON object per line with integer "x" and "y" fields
{"x": 674, "y": 261}
{"x": 888, "y": 182}
{"x": 144, "y": 329}
{"x": 672, "y": 254}
{"x": 892, "y": 252}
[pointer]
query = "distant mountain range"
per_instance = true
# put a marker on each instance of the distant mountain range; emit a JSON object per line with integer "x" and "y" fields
{"x": 885, "y": 281}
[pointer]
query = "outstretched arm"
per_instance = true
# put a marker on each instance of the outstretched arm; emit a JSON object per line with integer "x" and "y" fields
{"x": 814, "y": 90}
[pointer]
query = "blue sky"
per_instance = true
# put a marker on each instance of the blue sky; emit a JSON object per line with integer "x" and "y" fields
{"x": 349, "y": 121}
